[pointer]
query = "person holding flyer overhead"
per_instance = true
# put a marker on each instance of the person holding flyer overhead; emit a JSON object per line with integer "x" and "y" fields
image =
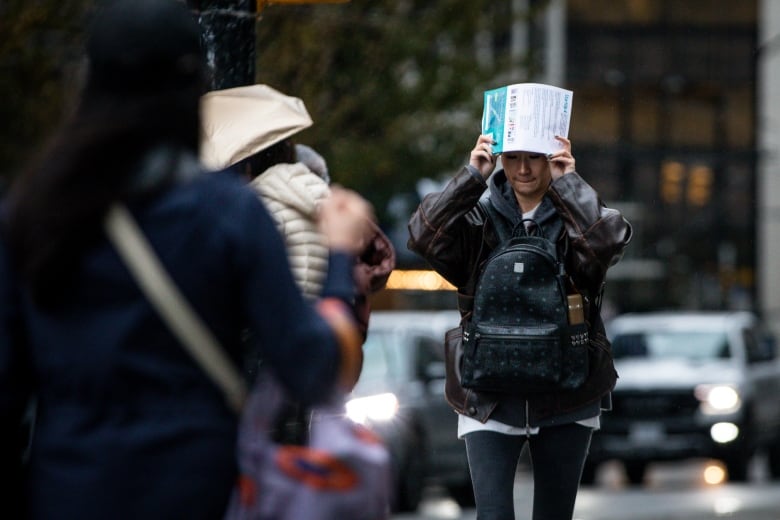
{"x": 453, "y": 232}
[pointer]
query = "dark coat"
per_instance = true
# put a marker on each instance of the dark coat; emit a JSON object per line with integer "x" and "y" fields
{"x": 128, "y": 425}
{"x": 450, "y": 231}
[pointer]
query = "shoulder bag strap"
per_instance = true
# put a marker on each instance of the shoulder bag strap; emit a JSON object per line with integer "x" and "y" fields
{"x": 155, "y": 282}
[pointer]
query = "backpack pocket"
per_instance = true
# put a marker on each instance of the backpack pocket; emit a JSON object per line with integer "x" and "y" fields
{"x": 512, "y": 361}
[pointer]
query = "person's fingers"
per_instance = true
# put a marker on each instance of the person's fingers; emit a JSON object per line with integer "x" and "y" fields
{"x": 564, "y": 141}
{"x": 481, "y": 156}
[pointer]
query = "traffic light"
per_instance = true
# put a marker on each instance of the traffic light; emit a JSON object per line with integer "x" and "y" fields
{"x": 672, "y": 175}
{"x": 699, "y": 185}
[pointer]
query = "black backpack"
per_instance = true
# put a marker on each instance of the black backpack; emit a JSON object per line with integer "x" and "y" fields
{"x": 519, "y": 339}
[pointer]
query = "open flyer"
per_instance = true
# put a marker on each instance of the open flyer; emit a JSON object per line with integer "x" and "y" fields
{"x": 527, "y": 117}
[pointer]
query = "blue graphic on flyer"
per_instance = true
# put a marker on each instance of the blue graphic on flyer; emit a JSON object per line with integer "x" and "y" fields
{"x": 493, "y": 117}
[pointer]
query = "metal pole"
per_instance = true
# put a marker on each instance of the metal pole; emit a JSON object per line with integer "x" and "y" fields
{"x": 518, "y": 47}
{"x": 228, "y": 34}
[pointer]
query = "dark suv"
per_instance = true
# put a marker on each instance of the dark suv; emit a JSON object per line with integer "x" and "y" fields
{"x": 690, "y": 385}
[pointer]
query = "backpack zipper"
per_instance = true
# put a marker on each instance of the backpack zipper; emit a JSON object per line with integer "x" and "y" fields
{"x": 498, "y": 335}
{"x": 527, "y": 419}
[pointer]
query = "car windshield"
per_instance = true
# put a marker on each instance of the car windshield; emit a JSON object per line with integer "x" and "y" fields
{"x": 693, "y": 345}
{"x": 379, "y": 359}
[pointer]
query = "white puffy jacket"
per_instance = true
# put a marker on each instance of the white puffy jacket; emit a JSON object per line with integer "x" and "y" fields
{"x": 292, "y": 193}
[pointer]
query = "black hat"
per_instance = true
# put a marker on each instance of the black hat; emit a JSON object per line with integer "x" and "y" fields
{"x": 144, "y": 45}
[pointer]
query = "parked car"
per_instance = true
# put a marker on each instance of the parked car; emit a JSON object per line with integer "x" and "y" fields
{"x": 691, "y": 384}
{"x": 400, "y": 396}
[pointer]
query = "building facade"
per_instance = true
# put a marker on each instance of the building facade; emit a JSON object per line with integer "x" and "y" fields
{"x": 665, "y": 127}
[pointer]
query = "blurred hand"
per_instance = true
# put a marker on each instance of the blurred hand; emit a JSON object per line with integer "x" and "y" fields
{"x": 345, "y": 219}
{"x": 482, "y": 157}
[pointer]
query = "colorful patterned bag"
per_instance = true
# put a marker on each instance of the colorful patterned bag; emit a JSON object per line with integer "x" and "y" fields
{"x": 340, "y": 472}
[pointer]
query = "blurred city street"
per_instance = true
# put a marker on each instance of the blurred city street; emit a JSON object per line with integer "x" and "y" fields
{"x": 673, "y": 491}
{"x": 675, "y": 125}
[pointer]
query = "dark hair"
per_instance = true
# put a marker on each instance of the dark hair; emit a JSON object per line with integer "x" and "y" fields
{"x": 145, "y": 78}
{"x": 278, "y": 153}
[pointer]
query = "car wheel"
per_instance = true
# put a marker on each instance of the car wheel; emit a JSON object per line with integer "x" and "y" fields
{"x": 411, "y": 479}
{"x": 635, "y": 471}
{"x": 773, "y": 459}
{"x": 588, "y": 477}
{"x": 463, "y": 494}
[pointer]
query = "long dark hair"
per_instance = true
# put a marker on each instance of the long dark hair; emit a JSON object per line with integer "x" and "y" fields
{"x": 135, "y": 100}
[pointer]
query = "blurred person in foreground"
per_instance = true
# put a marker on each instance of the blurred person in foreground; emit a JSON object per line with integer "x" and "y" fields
{"x": 126, "y": 423}
{"x": 452, "y": 232}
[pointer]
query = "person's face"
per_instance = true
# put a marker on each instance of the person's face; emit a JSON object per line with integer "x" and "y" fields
{"x": 529, "y": 175}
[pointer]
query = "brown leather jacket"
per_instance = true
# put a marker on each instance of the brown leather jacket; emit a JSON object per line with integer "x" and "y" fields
{"x": 450, "y": 231}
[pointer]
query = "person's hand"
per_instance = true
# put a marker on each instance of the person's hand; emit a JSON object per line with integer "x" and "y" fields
{"x": 345, "y": 219}
{"x": 482, "y": 157}
{"x": 561, "y": 161}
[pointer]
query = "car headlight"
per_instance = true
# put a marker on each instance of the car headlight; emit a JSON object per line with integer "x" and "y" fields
{"x": 724, "y": 432}
{"x": 718, "y": 399}
{"x": 380, "y": 407}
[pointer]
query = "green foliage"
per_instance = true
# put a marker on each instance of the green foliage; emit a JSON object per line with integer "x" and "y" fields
{"x": 394, "y": 86}
{"x": 39, "y": 58}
